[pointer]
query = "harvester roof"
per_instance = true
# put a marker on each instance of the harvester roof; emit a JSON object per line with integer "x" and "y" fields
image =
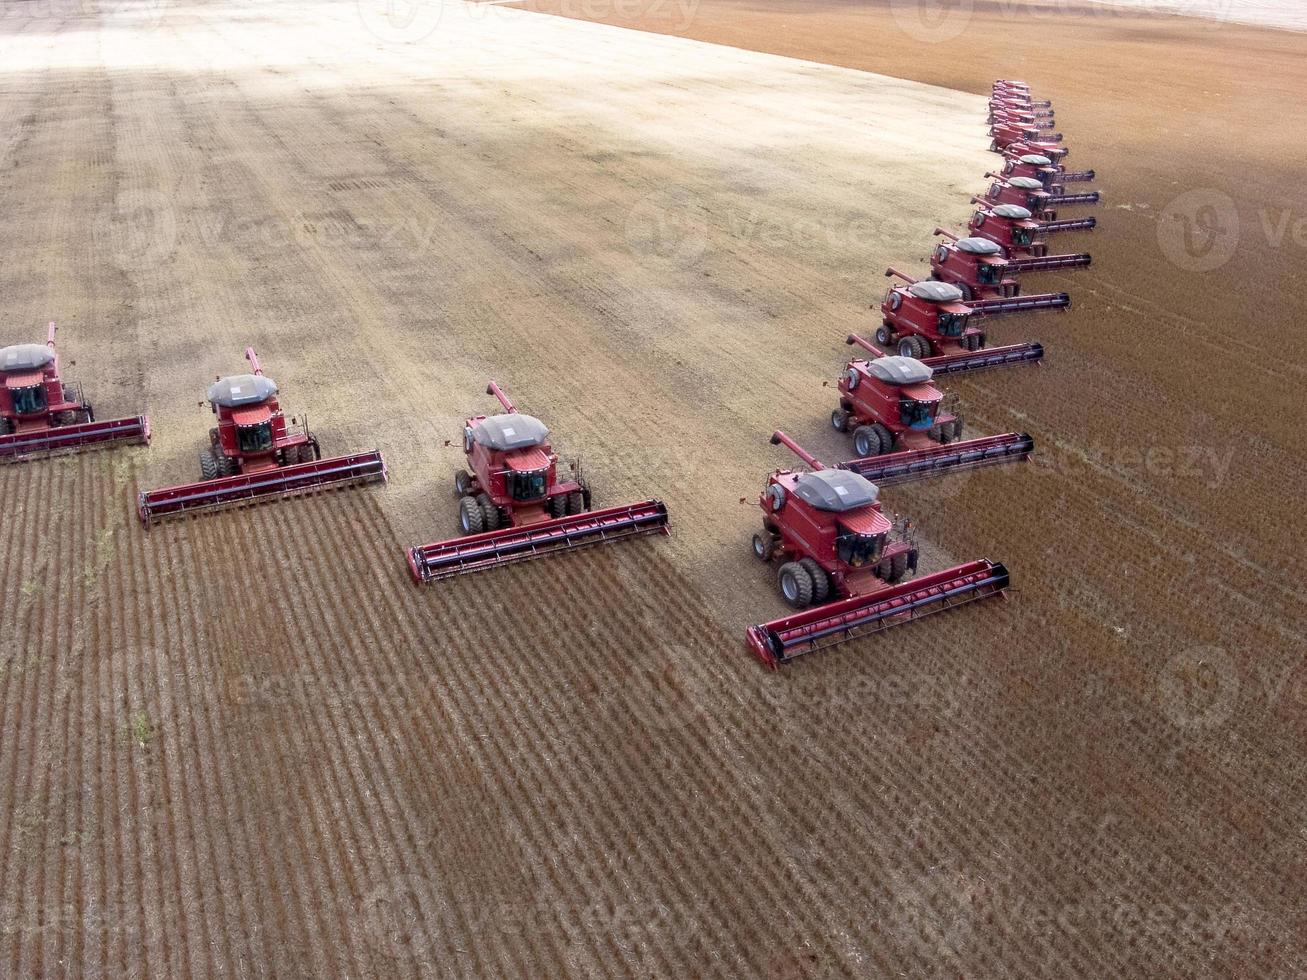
{"x": 978, "y": 246}
{"x": 899, "y": 370}
{"x": 935, "y": 292}
{"x": 242, "y": 389}
{"x": 1013, "y": 212}
{"x": 508, "y": 432}
{"x": 1036, "y": 160}
{"x": 25, "y": 357}
{"x": 1026, "y": 183}
{"x": 835, "y": 490}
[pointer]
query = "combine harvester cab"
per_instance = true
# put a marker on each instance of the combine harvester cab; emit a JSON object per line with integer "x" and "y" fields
{"x": 40, "y": 415}
{"x": 903, "y": 427}
{"x": 842, "y": 563}
{"x": 255, "y": 455}
{"x": 1015, "y": 231}
{"x": 978, "y": 268}
{"x": 1050, "y": 175}
{"x": 1029, "y": 193}
{"x": 929, "y": 320}
{"x": 513, "y": 506}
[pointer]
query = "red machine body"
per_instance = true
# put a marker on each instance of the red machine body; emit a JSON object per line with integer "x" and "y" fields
{"x": 841, "y": 562}
{"x": 979, "y": 269}
{"x": 254, "y": 453}
{"x": 1029, "y": 193}
{"x": 930, "y": 318}
{"x": 513, "y": 506}
{"x": 41, "y": 415}
{"x": 1051, "y": 176}
{"x": 1014, "y": 229}
{"x": 891, "y": 407}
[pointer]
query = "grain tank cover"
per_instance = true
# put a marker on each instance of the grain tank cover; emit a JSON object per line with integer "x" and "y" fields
{"x": 509, "y": 432}
{"x": 1035, "y": 160}
{"x": 1026, "y": 183}
{"x": 836, "y": 490}
{"x": 25, "y": 357}
{"x": 900, "y": 370}
{"x": 936, "y": 292}
{"x": 978, "y": 246}
{"x": 1013, "y": 212}
{"x": 242, "y": 389}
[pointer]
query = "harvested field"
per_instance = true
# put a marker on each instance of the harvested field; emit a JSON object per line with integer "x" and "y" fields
{"x": 246, "y": 745}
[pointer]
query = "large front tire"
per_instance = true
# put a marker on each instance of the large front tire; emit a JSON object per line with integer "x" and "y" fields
{"x": 820, "y": 580}
{"x": 208, "y": 465}
{"x": 795, "y": 584}
{"x": 866, "y": 441}
{"x": 471, "y": 519}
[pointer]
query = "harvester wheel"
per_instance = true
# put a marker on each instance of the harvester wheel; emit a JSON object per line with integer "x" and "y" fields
{"x": 228, "y": 466}
{"x": 820, "y": 580}
{"x": 898, "y": 567}
{"x": 305, "y": 452}
{"x": 470, "y": 516}
{"x": 6, "y": 427}
{"x": 208, "y": 466}
{"x": 884, "y": 335}
{"x": 957, "y": 429}
{"x": 576, "y": 502}
{"x": 462, "y": 483}
{"x": 489, "y": 512}
{"x": 764, "y": 546}
{"x": 966, "y": 291}
{"x": 795, "y": 584}
{"x": 866, "y": 441}
{"x": 557, "y": 506}
{"x": 839, "y": 420}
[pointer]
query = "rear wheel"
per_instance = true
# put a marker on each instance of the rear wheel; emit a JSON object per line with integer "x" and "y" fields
{"x": 208, "y": 465}
{"x": 490, "y": 516}
{"x": 470, "y": 517}
{"x": 884, "y": 335}
{"x": 795, "y": 584}
{"x": 839, "y": 420}
{"x": 462, "y": 483}
{"x": 820, "y": 580}
{"x": 866, "y": 441}
{"x": 764, "y": 546}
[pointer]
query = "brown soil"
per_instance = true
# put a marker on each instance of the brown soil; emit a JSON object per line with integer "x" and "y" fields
{"x": 247, "y": 745}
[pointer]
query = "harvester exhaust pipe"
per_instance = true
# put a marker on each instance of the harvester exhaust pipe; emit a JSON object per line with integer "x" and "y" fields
{"x": 779, "y": 438}
{"x": 494, "y": 389}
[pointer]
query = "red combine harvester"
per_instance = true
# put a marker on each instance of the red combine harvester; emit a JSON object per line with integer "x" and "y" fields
{"x": 1008, "y": 131}
{"x": 1014, "y": 229}
{"x": 977, "y": 267}
{"x": 833, "y": 542}
{"x": 1029, "y": 193}
{"x": 1052, "y": 176}
{"x": 40, "y": 415}
{"x": 930, "y": 322}
{"x": 513, "y": 506}
{"x": 901, "y": 427}
{"x": 253, "y": 454}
